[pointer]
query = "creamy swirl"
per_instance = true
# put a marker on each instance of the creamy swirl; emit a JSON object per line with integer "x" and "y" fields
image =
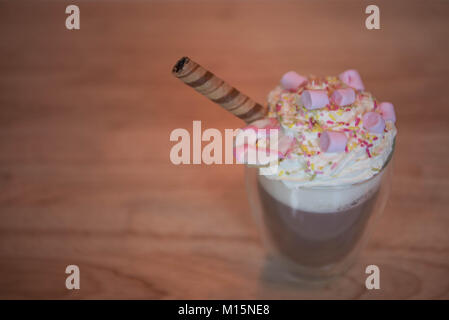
{"x": 306, "y": 165}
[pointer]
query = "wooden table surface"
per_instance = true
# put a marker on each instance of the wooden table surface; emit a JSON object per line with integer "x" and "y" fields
{"x": 85, "y": 119}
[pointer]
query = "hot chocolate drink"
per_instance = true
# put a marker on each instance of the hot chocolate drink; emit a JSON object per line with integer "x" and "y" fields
{"x": 314, "y": 238}
{"x": 316, "y": 199}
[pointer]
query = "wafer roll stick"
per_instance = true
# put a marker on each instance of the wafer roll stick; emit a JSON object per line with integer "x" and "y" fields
{"x": 217, "y": 90}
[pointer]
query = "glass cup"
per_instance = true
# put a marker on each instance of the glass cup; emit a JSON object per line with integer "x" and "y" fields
{"x": 315, "y": 233}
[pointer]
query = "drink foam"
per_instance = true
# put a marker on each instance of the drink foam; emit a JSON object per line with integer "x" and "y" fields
{"x": 330, "y": 199}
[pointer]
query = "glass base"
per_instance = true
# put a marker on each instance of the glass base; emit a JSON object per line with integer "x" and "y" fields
{"x": 277, "y": 269}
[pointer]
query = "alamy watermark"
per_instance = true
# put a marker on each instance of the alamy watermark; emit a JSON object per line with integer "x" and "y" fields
{"x": 72, "y": 22}
{"x": 253, "y": 146}
{"x": 373, "y": 280}
{"x": 73, "y": 280}
{"x": 373, "y": 20}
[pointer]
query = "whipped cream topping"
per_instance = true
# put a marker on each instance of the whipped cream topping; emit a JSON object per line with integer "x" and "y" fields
{"x": 306, "y": 164}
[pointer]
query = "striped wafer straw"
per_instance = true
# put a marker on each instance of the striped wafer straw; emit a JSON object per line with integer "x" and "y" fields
{"x": 217, "y": 90}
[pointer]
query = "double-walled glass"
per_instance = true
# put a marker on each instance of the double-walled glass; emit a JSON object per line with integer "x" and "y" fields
{"x": 315, "y": 233}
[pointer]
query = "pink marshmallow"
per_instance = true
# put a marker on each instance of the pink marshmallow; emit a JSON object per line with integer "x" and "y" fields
{"x": 387, "y": 111}
{"x": 285, "y": 144}
{"x": 262, "y": 127}
{"x": 352, "y": 78}
{"x": 343, "y": 97}
{"x": 262, "y": 123}
{"x": 333, "y": 141}
{"x": 314, "y": 99}
{"x": 292, "y": 81}
{"x": 259, "y": 132}
{"x": 246, "y": 154}
{"x": 373, "y": 122}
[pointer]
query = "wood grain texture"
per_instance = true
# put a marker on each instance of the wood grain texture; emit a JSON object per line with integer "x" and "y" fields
{"x": 85, "y": 119}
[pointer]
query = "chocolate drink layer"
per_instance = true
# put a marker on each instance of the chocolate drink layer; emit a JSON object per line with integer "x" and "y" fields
{"x": 315, "y": 239}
